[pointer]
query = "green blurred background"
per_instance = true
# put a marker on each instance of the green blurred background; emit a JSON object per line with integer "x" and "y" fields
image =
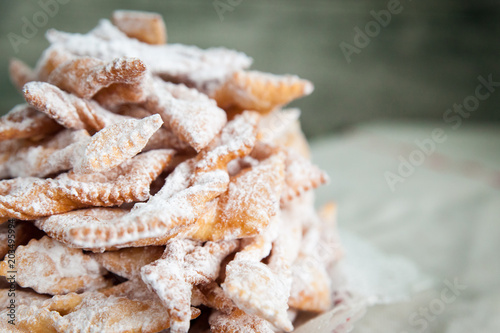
{"x": 427, "y": 58}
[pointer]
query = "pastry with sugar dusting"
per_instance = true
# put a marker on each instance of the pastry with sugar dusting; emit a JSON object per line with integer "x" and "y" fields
{"x": 161, "y": 186}
{"x": 177, "y": 206}
{"x": 146, "y": 27}
{"x": 24, "y": 121}
{"x": 258, "y": 91}
{"x": 184, "y": 264}
{"x": 85, "y": 76}
{"x": 60, "y": 269}
{"x": 28, "y": 198}
{"x": 67, "y": 109}
{"x": 20, "y": 73}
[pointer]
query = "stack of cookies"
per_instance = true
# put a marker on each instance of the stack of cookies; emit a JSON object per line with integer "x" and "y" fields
{"x": 151, "y": 186}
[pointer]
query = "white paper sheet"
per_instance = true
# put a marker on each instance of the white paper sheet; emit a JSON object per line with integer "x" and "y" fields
{"x": 444, "y": 218}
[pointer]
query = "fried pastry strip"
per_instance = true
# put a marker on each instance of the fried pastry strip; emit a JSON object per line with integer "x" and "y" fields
{"x": 29, "y": 198}
{"x": 184, "y": 264}
{"x": 51, "y": 58}
{"x": 261, "y": 92}
{"x": 128, "y": 262}
{"x": 22, "y": 234}
{"x": 311, "y": 286}
{"x": 261, "y": 289}
{"x": 50, "y": 156}
{"x": 143, "y": 26}
{"x": 281, "y": 128}
{"x": 67, "y": 109}
{"x": 58, "y": 269}
{"x": 238, "y": 321}
{"x": 117, "y": 143}
{"x": 85, "y": 76}
{"x": 134, "y": 289}
{"x": 57, "y": 226}
{"x": 163, "y": 138}
{"x": 30, "y": 319}
{"x": 226, "y": 317}
{"x": 20, "y": 73}
{"x": 211, "y": 295}
{"x": 100, "y": 313}
{"x": 23, "y": 297}
{"x": 248, "y": 205}
{"x": 122, "y": 93}
{"x": 93, "y": 311}
{"x": 300, "y": 176}
{"x": 191, "y": 115}
{"x": 23, "y": 121}
{"x": 311, "y": 290}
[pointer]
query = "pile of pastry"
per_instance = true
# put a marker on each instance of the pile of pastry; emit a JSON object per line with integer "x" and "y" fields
{"x": 150, "y": 186}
